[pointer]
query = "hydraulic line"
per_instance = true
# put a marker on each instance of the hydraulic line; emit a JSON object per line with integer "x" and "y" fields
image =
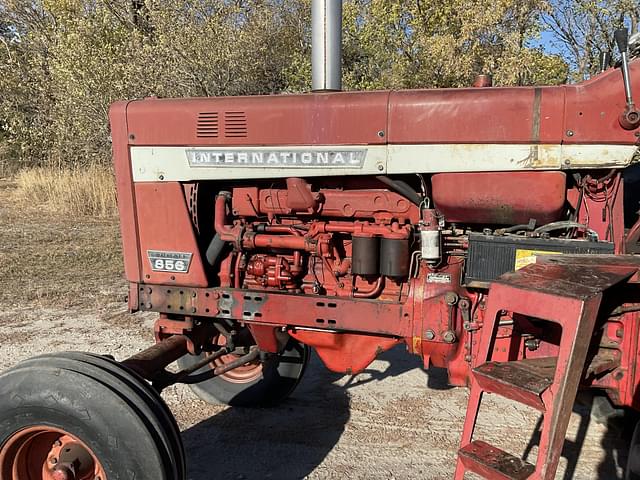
{"x": 402, "y": 188}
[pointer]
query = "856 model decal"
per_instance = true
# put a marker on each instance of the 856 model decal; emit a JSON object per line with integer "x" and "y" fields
{"x": 175, "y": 262}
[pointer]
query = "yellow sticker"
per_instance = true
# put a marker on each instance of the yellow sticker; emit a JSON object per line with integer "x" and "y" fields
{"x": 527, "y": 257}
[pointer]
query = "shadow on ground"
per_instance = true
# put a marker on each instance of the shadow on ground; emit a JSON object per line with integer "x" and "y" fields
{"x": 286, "y": 442}
{"x": 290, "y": 441}
{"x": 619, "y": 426}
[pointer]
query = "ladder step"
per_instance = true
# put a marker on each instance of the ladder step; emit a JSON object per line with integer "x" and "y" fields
{"x": 523, "y": 381}
{"x": 571, "y": 277}
{"x": 491, "y": 462}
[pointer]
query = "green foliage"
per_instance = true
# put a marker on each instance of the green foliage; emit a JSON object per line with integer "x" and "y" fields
{"x": 440, "y": 43}
{"x": 62, "y": 62}
{"x": 68, "y": 60}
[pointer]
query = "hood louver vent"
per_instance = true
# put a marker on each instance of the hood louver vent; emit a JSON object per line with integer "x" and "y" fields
{"x": 208, "y": 125}
{"x": 235, "y": 124}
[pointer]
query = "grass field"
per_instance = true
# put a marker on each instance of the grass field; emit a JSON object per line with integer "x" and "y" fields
{"x": 56, "y": 258}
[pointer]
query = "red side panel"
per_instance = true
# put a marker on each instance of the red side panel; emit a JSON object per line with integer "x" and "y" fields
{"x": 476, "y": 115}
{"x": 582, "y": 113}
{"x": 593, "y": 108}
{"x": 126, "y": 196}
{"x": 166, "y": 226}
{"x": 504, "y": 198}
{"x": 315, "y": 119}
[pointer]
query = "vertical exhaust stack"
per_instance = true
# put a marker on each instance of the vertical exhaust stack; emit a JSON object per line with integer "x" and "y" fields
{"x": 326, "y": 45}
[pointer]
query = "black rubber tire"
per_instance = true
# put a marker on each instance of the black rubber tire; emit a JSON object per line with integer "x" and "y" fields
{"x": 604, "y": 412}
{"x": 633, "y": 461}
{"x": 112, "y": 410}
{"x": 145, "y": 392}
{"x": 280, "y": 376}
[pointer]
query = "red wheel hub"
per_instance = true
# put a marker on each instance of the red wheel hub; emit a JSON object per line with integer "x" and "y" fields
{"x": 48, "y": 453}
{"x": 244, "y": 374}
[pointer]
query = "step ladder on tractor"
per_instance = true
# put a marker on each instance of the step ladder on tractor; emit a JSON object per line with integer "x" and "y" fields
{"x": 566, "y": 291}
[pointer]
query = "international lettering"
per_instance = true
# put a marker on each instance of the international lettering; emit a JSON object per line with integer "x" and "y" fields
{"x": 277, "y": 158}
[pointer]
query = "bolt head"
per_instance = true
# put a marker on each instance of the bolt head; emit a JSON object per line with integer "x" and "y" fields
{"x": 380, "y": 167}
{"x": 569, "y": 133}
{"x": 449, "y": 336}
{"x": 63, "y": 474}
{"x": 429, "y": 335}
{"x": 451, "y": 298}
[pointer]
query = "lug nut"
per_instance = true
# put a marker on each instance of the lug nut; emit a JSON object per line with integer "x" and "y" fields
{"x": 63, "y": 474}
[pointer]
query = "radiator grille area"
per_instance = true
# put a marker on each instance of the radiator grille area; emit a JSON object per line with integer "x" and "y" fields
{"x": 235, "y": 124}
{"x": 208, "y": 125}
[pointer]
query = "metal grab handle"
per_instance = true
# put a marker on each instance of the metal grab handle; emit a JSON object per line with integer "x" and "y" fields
{"x": 630, "y": 118}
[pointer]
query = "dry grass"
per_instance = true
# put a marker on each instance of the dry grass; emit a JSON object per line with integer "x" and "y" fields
{"x": 5, "y": 164}
{"x": 55, "y": 259}
{"x": 87, "y": 191}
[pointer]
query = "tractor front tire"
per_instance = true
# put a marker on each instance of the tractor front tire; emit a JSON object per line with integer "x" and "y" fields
{"x": 633, "y": 461}
{"x": 256, "y": 384}
{"x": 76, "y": 415}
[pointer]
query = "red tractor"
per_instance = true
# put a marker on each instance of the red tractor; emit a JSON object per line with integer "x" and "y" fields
{"x": 487, "y": 229}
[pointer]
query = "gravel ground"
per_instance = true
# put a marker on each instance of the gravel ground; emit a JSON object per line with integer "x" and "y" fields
{"x": 394, "y": 421}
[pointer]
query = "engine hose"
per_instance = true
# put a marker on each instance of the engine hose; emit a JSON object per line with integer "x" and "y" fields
{"x": 402, "y": 188}
{"x": 549, "y": 227}
{"x": 215, "y": 249}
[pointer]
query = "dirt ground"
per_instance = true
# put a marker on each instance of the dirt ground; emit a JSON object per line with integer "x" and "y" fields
{"x": 61, "y": 288}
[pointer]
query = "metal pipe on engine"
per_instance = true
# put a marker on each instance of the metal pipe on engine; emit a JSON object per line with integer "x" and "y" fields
{"x": 372, "y": 292}
{"x": 227, "y": 233}
{"x": 326, "y": 45}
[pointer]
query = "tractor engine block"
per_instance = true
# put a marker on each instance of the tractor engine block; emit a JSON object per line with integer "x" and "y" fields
{"x": 336, "y": 242}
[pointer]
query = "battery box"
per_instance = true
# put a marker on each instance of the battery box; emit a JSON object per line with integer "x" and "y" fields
{"x": 490, "y": 256}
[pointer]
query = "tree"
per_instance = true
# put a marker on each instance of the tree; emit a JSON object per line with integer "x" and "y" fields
{"x": 583, "y": 30}
{"x": 75, "y": 57}
{"x": 62, "y": 62}
{"x": 439, "y": 43}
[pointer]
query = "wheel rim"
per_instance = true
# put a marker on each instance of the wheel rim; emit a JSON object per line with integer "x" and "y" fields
{"x": 244, "y": 374}
{"x": 47, "y": 453}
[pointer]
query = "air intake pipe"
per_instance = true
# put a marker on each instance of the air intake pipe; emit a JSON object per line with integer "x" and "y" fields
{"x": 326, "y": 45}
